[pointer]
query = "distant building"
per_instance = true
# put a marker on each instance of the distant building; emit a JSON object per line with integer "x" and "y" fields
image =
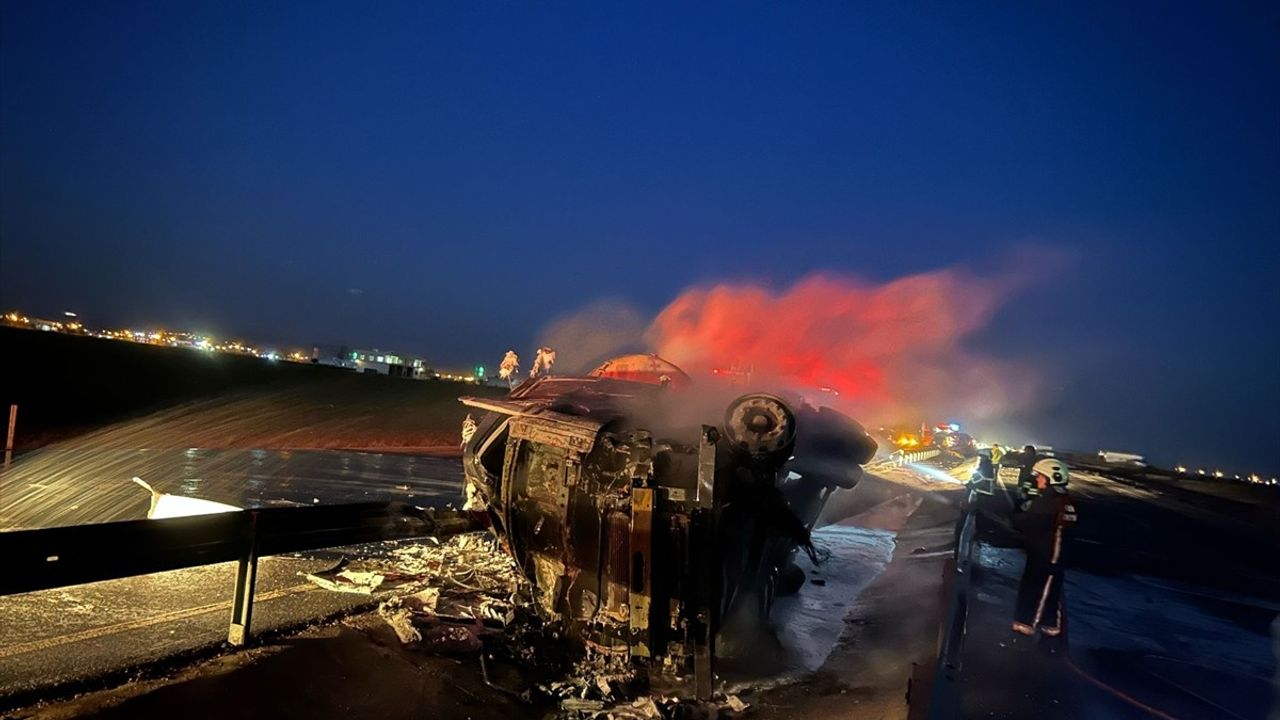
{"x": 387, "y": 363}
{"x": 333, "y": 356}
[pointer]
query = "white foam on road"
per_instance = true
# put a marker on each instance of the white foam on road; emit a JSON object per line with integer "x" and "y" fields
{"x": 814, "y": 617}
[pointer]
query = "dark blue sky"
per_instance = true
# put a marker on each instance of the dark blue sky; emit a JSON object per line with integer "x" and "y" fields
{"x": 479, "y": 168}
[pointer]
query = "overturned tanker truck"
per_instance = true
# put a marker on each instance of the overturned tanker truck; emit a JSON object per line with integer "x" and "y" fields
{"x": 652, "y": 521}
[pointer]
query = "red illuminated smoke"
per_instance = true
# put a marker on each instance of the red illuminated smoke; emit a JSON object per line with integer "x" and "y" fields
{"x": 893, "y": 351}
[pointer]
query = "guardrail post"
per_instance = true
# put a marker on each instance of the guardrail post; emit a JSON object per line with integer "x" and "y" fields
{"x": 246, "y": 577}
{"x": 8, "y": 441}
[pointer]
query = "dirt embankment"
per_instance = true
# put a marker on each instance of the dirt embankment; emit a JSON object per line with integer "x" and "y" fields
{"x": 115, "y": 394}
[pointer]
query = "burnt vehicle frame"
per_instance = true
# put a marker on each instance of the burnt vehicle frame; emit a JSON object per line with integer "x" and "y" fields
{"x": 645, "y": 533}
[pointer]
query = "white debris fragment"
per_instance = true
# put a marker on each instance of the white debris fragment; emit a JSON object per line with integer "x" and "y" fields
{"x": 580, "y": 705}
{"x": 734, "y": 703}
{"x": 349, "y": 581}
{"x": 645, "y": 707}
{"x": 401, "y": 621}
{"x": 468, "y": 429}
{"x": 602, "y": 684}
{"x": 502, "y": 612}
{"x": 424, "y": 601}
{"x": 474, "y": 503}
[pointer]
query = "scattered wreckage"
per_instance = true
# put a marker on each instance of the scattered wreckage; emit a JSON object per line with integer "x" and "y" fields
{"x": 655, "y": 523}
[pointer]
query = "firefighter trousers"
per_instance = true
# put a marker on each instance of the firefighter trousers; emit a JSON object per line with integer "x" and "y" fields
{"x": 1040, "y": 595}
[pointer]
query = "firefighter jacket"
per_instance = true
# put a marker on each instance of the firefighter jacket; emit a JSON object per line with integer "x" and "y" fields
{"x": 1043, "y": 522}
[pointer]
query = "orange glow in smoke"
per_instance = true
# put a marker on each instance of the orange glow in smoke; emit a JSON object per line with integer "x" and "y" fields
{"x": 893, "y": 350}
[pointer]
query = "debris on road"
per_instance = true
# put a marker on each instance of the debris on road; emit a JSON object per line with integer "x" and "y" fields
{"x": 443, "y": 596}
{"x": 401, "y": 620}
{"x": 601, "y": 688}
{"x": 455, "y": 596}
{"x": 339, "y": 579}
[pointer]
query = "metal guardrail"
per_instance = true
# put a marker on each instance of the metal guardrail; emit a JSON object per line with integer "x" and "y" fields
{"x": 57, "y": 557}
{"x": 944, "y": 700}
{"x": 904, "y": 457}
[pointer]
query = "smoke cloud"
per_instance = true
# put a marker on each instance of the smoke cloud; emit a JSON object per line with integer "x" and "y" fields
{"x": 895, "y": 352}
{"x": 588, "y": 337}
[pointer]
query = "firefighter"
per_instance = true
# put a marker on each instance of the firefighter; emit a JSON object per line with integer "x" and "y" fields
{"x": 1027, "y": 460}
{"x": 997, "y": 455}
{"x": 986, "y": 465}
{"x": 981, "y": 482}
{"x": 983, "y": 479}
{"x": 1043, "y": 516}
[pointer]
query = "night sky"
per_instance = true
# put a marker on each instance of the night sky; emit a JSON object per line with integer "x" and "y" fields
{"x": 447, "y": 179}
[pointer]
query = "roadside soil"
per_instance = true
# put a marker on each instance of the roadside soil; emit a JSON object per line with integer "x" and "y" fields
{"x": 108, "y": 394}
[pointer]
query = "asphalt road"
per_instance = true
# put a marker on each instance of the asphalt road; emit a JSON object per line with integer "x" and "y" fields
{"x": 1167, "y": 614}
{"x": 60, "y": 637}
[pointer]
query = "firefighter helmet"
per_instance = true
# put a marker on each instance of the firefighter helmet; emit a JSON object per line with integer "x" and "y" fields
{"x": 1055, "y": 471}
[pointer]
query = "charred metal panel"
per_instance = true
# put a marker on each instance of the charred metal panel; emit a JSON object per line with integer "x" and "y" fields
{"x": 641, "y": 567}
{"x": 555, "y": 432}
{"x": 706, "y": 599}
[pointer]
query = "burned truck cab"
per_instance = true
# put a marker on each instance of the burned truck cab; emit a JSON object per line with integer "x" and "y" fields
{"x": 644, "y": 531}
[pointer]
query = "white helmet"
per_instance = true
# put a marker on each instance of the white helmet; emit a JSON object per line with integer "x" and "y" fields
{"x": 1054, "y": 470}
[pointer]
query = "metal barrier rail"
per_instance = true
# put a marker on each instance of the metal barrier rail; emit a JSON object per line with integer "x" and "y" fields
{"x": 944, "y": 701}
{"x": 903, "y": 457}
{"x": 57, "y": 557}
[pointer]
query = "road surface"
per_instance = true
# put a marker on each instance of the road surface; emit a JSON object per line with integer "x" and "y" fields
{"x": 1168, "y": 607}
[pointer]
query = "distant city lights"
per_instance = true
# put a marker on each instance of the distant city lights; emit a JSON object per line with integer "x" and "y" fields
{"x": 155, "y": 336}
{"x": 180, "y": 338}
